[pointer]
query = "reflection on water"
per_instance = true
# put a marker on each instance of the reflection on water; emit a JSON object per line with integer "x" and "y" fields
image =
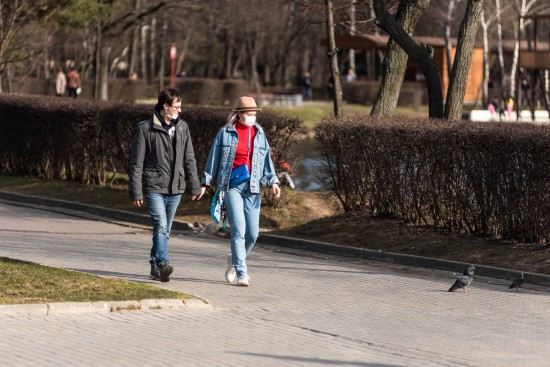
{"x": 307, "y": 174}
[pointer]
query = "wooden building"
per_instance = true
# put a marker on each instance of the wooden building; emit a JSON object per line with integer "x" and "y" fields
{"x": 368, "y": 67}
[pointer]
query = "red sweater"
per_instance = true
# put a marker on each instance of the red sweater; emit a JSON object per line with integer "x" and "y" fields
{"x": 244, "y": 148}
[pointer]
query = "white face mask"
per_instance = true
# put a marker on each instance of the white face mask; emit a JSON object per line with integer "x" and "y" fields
{"x": 175, "y": 116}
{"x": 249, "y": 120}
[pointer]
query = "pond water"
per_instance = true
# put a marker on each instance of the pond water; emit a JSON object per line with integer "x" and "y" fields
{"x": 307, "y": 173}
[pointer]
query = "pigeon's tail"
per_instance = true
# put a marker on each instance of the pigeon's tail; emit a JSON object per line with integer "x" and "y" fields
{"x": 454, "y": 287}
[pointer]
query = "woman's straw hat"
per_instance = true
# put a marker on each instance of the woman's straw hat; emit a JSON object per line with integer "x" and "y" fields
{"x": 246, "y": 104}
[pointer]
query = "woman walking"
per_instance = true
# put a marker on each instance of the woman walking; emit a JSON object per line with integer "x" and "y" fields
{"x": 240, "y": 163}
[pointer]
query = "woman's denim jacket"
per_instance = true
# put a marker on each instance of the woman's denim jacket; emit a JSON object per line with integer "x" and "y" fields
{"x": 221, "y": 156}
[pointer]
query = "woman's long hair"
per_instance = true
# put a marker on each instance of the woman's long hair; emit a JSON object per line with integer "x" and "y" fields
{"x": 232, "y": 118}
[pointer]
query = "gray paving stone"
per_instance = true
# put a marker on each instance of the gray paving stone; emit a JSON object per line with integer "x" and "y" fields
{"x": 302, "y": 308}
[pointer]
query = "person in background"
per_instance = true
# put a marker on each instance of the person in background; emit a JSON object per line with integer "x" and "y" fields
{"x": 509, "y": 107}
{"x": 351, "y": 76}
{"x": 307, "y": 91}
{"x": 162, "y": 161}
{"x": 60, "y": 82}
{"x": 495, "y": 108}
{"x": 74, "y": 82}
{"x": 242, "y": 141}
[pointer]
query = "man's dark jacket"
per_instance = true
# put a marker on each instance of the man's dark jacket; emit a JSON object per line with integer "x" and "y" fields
{"x": 152, "y": 153}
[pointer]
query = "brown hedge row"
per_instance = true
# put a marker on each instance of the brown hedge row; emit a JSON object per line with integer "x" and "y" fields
{"x": 82, "y": 140}
{"x": 489, "y": 179}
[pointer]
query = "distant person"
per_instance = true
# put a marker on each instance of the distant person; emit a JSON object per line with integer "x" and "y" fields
{"x": 162, "y": 164}
{"x": 60, "y": 82}
{"x": 241, "y": 145}
{"x": 509, "y": 107}
{"x": 73, "y": 79}
{"x": 351, "y": 76}
{"x": 307, "y": 91}
{"x": 495, "y": 108}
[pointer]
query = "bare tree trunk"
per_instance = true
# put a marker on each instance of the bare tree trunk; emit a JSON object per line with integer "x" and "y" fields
{"x": 515, "y": 61}
{"x": 97, "y": 63}
{"x": 422, "y": 56}
{"x": 254, "y": 66}
{"x": 352, "y": 28}
{"x": 9, "y": 77}
{"x": 448, "y": 21}
{"x": 485, "y": 84}
{"x": 144, "y": 64}
{"x": 183, "y": 53}
{"x": 134, "y": 45}
{"x": 239, "y": 59}
{"x": 395, "y": 61}
{"x": 500, "y": 52}
{"x": 524, "y": 8}
{"x": 376, "y": 31}
{"x": 153, "y": 49}
{"x": 104, "y": 74}
{"x": 47, "y": 61}
{"x": 229, "y": 56}
{"x": 463, "y": 57}
{"x": 163, "y": 51}
{"x": 333, "y": 60}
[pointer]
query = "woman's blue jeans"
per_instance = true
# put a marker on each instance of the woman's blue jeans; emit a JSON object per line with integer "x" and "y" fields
{"x": 162, "y": 209}
{"x": 243, "y": 213}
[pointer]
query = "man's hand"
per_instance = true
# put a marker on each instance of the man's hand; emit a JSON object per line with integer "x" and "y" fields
{"x": 276, "y": 190}
{"x": 138, "y": 203}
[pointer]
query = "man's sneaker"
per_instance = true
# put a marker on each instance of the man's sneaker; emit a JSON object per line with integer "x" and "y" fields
{"x": 243, "y": 280}
{"x": 155, "y": 271}
{"x": 230, "y": 273}
{"x": 165, "y": 271}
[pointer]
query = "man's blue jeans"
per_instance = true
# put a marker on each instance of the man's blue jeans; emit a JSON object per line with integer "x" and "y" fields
{"x": 162, "y": 209}
{"x": 243, "y": 213}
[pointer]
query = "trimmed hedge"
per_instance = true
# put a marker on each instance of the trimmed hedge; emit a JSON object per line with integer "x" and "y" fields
{"x": 81, "y": 140}
{"x": 488, "y": 179}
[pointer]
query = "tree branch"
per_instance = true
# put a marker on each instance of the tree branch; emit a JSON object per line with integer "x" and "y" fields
{"x": 418, "y": 54}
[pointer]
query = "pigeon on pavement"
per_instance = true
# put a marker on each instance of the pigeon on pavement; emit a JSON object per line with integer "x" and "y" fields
{"x": 464, "y": 280}
{"x": 517, "y": 283}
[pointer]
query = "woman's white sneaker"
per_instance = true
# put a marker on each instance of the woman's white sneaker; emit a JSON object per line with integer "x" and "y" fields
{"x": 243, "y": 280}
{"x": 230, "y": 273}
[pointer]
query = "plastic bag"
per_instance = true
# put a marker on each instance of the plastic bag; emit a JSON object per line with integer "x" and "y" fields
{"x": 217, "y": 208}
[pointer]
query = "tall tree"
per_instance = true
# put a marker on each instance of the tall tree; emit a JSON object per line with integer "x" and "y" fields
{"x": 333, "y": 60}
{"x": 395, "y": 61}
{"x": 486, "y": 22}
{"x": 352, "y": 29}
{"x": 462, "y": 59}
{"x": 448, "y": 22}
{"x": 421, "y": 55}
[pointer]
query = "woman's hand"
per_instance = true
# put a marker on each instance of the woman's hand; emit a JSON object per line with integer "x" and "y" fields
{"x": 198, "y": 197}
{"x": 276, "y": 190}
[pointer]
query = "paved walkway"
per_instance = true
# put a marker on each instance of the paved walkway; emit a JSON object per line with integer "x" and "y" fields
{"x": 301, "y": 309}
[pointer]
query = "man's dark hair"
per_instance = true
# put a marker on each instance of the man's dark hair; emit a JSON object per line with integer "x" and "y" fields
{"x": 169, "y": 96}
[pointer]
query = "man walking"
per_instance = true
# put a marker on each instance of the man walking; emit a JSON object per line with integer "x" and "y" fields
{"x": 162, "y": 161}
